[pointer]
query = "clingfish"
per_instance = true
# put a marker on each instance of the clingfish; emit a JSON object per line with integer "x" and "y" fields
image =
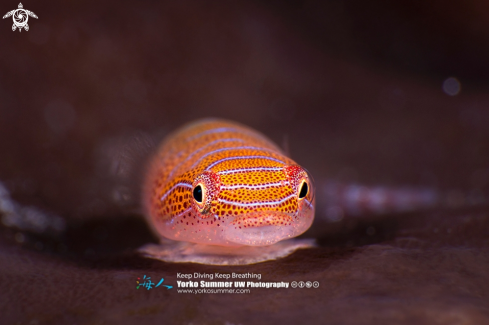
{"x": 219, "y": 183}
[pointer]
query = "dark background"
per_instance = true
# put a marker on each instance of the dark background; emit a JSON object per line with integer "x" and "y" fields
{"x": 354, "y": 86}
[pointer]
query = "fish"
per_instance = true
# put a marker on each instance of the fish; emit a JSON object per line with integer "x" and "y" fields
{"x": 218, "y": 182}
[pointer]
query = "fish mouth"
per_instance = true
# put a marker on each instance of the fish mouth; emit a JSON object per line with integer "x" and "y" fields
{"x": 264, "y": 228}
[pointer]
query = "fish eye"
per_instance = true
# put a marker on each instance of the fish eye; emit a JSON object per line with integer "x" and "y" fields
{"x": 198, "y": 193}
{"x": 304, "y": 189}
{"x": 204, "y": 192}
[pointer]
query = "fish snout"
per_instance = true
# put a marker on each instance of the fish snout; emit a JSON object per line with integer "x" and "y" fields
{"x": 264, "y": 228}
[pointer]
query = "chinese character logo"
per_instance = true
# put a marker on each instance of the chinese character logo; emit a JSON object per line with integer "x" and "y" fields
{"x": 148, "y": 284}
{"x": 20, "y": 17}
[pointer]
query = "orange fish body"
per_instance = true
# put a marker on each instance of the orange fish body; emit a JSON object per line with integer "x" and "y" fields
{"x": 220, "y": 183}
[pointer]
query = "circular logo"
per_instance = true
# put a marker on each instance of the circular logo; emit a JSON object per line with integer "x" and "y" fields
{"x": 308, "y": 284}
{"x": 20, "y": 16}
{"x": 315, "y": 284}
{"x": 293, "y": 284}
{"x": 301, "y": 284}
